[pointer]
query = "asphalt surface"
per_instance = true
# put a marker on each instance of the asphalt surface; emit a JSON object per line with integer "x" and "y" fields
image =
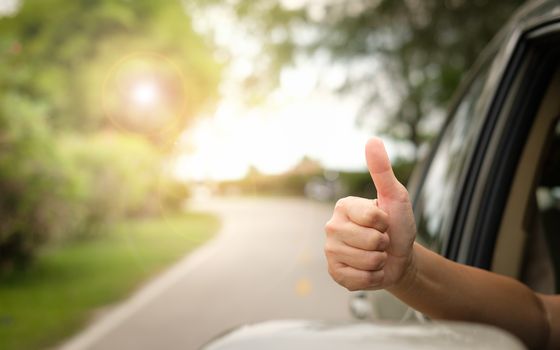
{"x": 266, "y": 263}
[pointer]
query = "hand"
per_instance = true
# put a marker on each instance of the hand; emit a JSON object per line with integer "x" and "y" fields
{"x": 370, "y": 242}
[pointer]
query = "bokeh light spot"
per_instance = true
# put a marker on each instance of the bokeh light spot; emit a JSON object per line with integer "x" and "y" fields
{"x": 303, "y": 287}
{"x": 145, "y": 93}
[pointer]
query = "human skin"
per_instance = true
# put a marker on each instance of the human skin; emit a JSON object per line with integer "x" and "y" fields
{"x": 370, "y": 245}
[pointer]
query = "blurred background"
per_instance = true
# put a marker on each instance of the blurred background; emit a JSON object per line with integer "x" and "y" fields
{"x": 134, "y": 132}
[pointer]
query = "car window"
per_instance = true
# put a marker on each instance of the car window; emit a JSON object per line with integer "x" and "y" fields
{"x": 541, "y": 269}
{"x": 439, "y": 190}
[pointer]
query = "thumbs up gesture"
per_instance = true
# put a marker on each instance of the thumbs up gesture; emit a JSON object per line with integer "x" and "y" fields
{"x": 370, "y": 242}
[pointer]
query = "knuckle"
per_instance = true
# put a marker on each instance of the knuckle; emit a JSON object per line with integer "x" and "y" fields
{"x": 367, "y": 279}
{"x": 373, "y": 241}
{"x": 330, "y": 248}
{"x": 384, "y": 241}
{"x": 382, "y": 218}
{"x": 375, "y": 260}
{"x": 369, "y": 214}
{"x": 331, "y": 227}
{"x": 374, "y": 213}
{"x": 383, "y": 225}
{"x": 376, "y": 217}
{"x": 402, "y": 193}
{"x": 376, "y": 279}
{"x": 337, "y": 276}
{"x": 341, "y": 203}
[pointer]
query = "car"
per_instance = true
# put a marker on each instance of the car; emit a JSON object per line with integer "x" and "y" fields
{"x": 487, "y": 195}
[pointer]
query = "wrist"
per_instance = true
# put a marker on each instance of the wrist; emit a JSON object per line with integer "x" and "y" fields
{"x": 408, "y": 279}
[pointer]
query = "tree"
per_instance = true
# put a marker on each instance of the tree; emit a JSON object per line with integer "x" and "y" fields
{"x": 65, "y": 169}
{"x": 59, "y": 53}
{"x": 406, "y": 56}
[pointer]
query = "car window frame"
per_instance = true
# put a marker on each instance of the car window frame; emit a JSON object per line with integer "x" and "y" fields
{"x": 501, "y": 145}
{"x": 490, "y": 56}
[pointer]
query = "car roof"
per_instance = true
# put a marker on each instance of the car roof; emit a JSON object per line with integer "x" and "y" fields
{"x": 529, "y": 16}
{"x": 536, "y": 9}
{"x": 532, "y": 14}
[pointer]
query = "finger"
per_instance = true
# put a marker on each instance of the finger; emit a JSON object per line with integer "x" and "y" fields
{"x": 364, "y": 238}
{"x": 355, "y": 279}
{"x": 380, "y": 169}
{"x": 365, "y": 212}
{"x": 354, "y": 257}
{"x": 357, "y": 236}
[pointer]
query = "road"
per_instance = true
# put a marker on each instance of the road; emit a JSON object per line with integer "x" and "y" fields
{"x": 265, "y": 263}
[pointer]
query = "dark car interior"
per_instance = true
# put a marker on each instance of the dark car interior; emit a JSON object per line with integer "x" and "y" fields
{"x": 549, "y": 204}
{"x": 517, "y": 196}
{"x": 541, "y": 267}
{"x": 527, "y": 241}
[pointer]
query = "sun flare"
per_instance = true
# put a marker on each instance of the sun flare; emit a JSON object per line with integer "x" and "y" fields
{"x": 145, "y": 93}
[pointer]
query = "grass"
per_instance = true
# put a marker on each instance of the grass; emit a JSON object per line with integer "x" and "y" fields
{"x": 59, "y": 293}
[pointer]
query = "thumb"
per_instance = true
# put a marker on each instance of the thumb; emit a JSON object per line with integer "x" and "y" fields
{"x": 380, "y": 169}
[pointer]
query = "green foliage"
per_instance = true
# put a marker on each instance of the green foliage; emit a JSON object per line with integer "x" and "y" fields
{"x": 171, "y": 194}
{"x": 67, "y": 186}
{"x": 357, "y": 184}
{"x": 55, "y": 296}
{"x": 60, "y": 52}
{"x": 405, "y": 57}
{"x": 116, "y": 175}
{"x": 33, "y": 187}
{"x": 64, "y": 170}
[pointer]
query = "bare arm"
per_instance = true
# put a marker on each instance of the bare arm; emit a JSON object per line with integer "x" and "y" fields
{"x": 370, "y": 245}
{"x": 552, "y": 308}
{"x": 443, "y": 289}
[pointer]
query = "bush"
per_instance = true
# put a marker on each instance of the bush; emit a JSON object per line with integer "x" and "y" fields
{"x": 171, "y": 194}
{"x": 115, "y": 175}
{"x": 59, "y": 187}
{"x": 32, "y": 185}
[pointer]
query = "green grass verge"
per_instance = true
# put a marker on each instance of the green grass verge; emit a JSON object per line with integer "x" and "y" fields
{"x": 57, "y": 295}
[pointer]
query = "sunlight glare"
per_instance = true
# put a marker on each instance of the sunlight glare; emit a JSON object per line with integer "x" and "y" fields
{"x": 145, "y": 93}
{"x": 270, "y": 139}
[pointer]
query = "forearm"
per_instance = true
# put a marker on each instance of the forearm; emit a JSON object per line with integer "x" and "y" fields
{"x": 552, "y": 306}
{"x": 443, "y": 289}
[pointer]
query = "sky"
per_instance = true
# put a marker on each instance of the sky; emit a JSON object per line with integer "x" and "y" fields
{"x": 300, "y": 118}
{"x": 274, "y": 137}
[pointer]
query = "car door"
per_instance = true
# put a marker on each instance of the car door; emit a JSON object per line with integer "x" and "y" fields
{"x": 503, "y": 213}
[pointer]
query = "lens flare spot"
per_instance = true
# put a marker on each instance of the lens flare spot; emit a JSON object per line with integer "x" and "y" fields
{"x": 145, "y": 93}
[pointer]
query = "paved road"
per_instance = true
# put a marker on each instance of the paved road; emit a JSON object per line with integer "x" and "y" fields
{"x": 266, "y": 263}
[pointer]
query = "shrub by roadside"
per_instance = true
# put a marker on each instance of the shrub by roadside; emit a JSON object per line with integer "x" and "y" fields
{"x": 33, "y": 186}
{"x": 61, "y": 187}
